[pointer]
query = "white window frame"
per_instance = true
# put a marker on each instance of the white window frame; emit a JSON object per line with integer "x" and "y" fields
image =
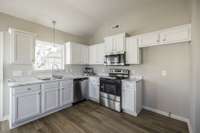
{"x": 62, "y": 59}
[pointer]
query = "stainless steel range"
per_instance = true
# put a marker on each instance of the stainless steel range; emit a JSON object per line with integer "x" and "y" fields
{"x": 111, "y": 89}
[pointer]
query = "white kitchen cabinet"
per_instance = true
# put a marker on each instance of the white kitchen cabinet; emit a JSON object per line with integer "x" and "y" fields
{"x": 176, "y": 34}
{"x": 149, "y": 39}
{"x": 172, "y": 35}
{"x": 31, "y": 102}
{"x": 84, "y": 54}
{"x": 22, "y": 46}
{"x": 76, "y": 53}
{"x": 94, "y": 89}
{"x": 108, "y": 47}
{"x": 132, "y": 97}
{"x": 50, "y": 95}
{"x": 119, "y": 42}
{"x": 96, "y": 54}
{"x": 92, "y": 54}
{"x": 25, "y": 102}
{"x": 115, "y": 44}
{"x": 133, "y": 52}
{"x": 100, "y": 53}
{"x": 66, "y": 92}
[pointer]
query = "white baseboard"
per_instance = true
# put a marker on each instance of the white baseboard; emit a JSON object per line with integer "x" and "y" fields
{"x": 180, "y": 118}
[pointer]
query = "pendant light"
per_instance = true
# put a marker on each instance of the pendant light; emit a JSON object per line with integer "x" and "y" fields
{"x": 54, "y": 34}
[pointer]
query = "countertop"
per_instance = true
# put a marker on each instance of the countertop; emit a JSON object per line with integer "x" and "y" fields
{"x": 34, "y": 80}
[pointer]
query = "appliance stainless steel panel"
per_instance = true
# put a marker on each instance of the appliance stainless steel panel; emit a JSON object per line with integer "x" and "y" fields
{"x": 114, "y": 105}
{"x": 115, "y": 59}
{"x": 110, "y": 96}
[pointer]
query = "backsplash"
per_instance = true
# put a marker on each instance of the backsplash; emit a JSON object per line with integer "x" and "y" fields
{"x": 27, "y": 70}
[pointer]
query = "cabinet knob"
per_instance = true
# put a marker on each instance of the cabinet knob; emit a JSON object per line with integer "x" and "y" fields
{"x": 164, "y": 39}
{"x": 29, "y": 89}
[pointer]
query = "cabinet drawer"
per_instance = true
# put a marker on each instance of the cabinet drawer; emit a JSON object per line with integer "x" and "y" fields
{"x": 25, "y": 89}
{"x": 50, "y": 85}
{"x": 66, "y": 84}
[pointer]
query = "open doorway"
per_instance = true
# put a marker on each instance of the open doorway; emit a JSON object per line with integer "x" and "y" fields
{"x": 1, "y": 76}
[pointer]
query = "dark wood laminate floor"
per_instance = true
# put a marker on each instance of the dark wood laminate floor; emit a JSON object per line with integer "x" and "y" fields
{"x": 89, "y": 117}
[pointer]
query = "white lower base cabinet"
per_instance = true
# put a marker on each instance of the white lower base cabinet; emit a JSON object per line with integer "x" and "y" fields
{"x": 26, "y": 104}
{"x": 31, "y": 102}
{"x": 66, "y": 92}
{"x": 94, "y": 89}
{"x": 132, "y": 97}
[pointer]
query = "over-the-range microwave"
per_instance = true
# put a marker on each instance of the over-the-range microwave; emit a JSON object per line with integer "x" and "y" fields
{"x": 118, "y": 59}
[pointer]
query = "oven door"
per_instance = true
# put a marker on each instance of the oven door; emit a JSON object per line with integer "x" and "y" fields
{"x": 111, "y": 86}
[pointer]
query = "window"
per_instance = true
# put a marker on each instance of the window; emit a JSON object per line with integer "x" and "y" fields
{"x": 48, "y": 57}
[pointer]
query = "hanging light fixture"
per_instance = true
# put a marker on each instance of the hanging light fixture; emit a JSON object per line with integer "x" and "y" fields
{"x": 54, "y": 34}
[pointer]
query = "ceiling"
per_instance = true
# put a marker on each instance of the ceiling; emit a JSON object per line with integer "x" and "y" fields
{"x": 78, "y": 17}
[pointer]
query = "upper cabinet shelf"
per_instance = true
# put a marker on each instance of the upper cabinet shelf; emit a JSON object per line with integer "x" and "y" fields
{"x": 22, "y": 47}
{"x": 173, "y": 35}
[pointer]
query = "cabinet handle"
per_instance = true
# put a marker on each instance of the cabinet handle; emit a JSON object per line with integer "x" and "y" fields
{"x": 164, "y": 39}
{"x": 29, "y": 89}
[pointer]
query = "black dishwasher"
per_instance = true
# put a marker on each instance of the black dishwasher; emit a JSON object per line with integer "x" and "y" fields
{"x": 80, "y": 89}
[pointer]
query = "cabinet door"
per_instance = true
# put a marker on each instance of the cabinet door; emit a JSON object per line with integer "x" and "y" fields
{"x": 92, "y": 54}
{"x": 108, "y": 45}
{"x": 176, "y": 34}
{"x": 119, "y": 43}
{"x": 94, "y": 88}
{"x": 75, "y": 53}
{"x": 149, "y": 39}
{"x": 66, "y": 93}
{"x": 27, "y": 105}
{"x": 99, "y": 53}
{"x": 128, "y": 98}
{"x": 23, "y": 47}
{"x": 132, "y": 51}
{"x": 50, "y": 99}
{"x": 84, "y": 54}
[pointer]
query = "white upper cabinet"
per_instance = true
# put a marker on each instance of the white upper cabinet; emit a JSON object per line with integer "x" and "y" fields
{"x": 133, "y": 53}
{"x": 96, "y": 54}
{"x": 108, "y": 45}
{"x": 167, "y": 36}
{"x": 22, "y": 46}
{"x": 175, "y": 35}
{"x": 84, "y": 54}
{"x": 149, "y": 39}
{"x": 115, "y": 44}
{"x": 76, "y": 53}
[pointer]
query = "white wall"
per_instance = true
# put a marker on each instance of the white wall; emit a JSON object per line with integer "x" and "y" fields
{"x": 195, "y": 103}
{"x": 171, "y": 93}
